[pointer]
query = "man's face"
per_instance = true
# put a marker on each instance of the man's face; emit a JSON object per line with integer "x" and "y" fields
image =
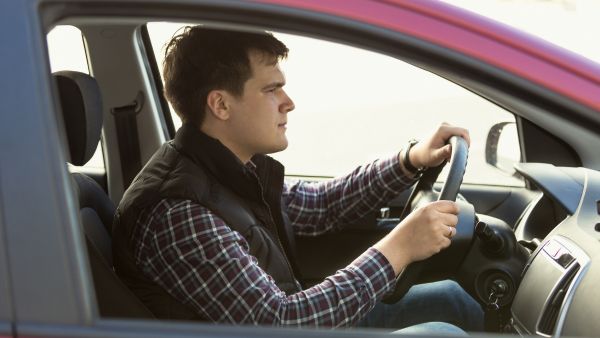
{"x": 259, "y": 115}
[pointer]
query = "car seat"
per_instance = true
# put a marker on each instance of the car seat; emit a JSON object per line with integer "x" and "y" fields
{"x": 81, "y": 103}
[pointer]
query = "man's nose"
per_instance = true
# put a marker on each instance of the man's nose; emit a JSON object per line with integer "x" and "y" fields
{"x": 287, "y": 105}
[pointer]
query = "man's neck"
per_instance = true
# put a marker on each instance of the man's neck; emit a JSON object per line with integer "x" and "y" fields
{"x": 244, "y": 157}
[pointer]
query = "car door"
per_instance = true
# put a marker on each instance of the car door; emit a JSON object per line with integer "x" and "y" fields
{"x": 48, "y": 276}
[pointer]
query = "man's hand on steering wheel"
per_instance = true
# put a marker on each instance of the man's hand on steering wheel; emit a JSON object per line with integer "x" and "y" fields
{"x": 434, "y": 150}
{"x": 425, "y": 232}
{"x": 429, "y": 228}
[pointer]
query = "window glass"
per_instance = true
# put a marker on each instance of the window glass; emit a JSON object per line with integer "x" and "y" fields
{"x": 353, "y": 106}
{"x": 66, "y": 49}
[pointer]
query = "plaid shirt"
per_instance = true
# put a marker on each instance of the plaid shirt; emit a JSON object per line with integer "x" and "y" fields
{"x": 196, "y": 257}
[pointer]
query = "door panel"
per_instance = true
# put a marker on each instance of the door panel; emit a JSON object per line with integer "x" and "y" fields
{"x": 322, "y": 256}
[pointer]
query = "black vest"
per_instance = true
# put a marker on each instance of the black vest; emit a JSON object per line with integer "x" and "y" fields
{"x": 197, "y": 167}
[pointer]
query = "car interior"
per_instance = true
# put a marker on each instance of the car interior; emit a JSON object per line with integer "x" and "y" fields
{"x": 532, "y": 250}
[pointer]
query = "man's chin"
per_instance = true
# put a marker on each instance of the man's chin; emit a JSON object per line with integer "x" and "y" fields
{"x": 280, "y": 147}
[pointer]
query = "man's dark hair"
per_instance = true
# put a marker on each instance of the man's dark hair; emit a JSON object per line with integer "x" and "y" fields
{"x": 203, "y": 59}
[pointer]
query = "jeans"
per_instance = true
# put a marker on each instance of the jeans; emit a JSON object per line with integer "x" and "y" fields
{"x": 440, "y": 307}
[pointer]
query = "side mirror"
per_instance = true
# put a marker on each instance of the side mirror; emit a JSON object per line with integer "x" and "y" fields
{"x": 502, "y": 148}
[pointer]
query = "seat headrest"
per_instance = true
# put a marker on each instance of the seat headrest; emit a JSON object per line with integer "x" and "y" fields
{"x": 81, "y": 103}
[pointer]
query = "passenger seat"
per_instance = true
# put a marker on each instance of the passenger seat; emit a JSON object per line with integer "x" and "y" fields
{"x": 81, "y": 104}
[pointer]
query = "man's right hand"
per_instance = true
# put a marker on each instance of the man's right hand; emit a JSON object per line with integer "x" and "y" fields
{"x": 424, "y": 232}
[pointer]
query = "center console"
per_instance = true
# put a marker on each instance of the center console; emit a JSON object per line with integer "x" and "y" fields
{"x": 546, "y": 291}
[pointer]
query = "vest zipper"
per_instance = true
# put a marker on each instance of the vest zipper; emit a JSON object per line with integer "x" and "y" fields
{"x": 274, "y": 226}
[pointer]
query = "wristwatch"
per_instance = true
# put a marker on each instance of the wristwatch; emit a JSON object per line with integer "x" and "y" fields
{"x": 406, "y": 160}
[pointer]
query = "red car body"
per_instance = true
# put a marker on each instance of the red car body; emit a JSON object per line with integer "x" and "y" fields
{"x": 487, "y": 40}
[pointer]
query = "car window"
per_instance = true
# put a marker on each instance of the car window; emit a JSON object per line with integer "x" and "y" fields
{"x": 353, "y": 106}
{"x": 66, "y": 50}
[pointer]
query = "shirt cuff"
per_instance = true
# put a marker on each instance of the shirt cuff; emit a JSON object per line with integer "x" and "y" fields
{"x": 376, "y": 271}
{"x": 392, "y": 176}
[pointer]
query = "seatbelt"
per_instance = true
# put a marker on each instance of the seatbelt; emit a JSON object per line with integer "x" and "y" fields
{"x": 127, "y": 137}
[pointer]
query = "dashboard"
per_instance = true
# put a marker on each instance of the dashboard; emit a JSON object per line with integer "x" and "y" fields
{"x": 558, "y": 294}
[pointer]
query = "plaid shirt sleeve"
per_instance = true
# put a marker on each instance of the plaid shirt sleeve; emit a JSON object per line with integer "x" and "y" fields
{"x": 201, "y": 262}
{"x": 316, "y": 208}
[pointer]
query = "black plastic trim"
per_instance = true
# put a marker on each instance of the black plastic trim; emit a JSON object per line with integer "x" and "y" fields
{"x": 151, "y": 59}
{"x": 538, "y": 145}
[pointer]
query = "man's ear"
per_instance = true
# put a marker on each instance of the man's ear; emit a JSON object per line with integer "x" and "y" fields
{"x": 217, "y": 102}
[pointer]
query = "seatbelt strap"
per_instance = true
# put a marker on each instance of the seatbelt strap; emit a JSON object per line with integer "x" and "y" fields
{"x": 127, "y": 137}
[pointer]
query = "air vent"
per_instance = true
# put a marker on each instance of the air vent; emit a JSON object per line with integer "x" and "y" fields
{"x": 550, "y": 315}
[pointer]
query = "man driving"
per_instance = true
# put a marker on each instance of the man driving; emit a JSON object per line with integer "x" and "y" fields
{"x": 207, "y": 229}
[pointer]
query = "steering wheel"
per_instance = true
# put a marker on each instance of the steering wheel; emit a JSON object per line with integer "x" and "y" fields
{"x": 424, "y": 193}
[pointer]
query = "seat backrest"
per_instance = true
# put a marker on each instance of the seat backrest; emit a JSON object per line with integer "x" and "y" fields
{"x": 81, "y": 104}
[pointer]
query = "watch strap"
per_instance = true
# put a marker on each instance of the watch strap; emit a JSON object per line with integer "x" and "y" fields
{"x": 406, "y": 160}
